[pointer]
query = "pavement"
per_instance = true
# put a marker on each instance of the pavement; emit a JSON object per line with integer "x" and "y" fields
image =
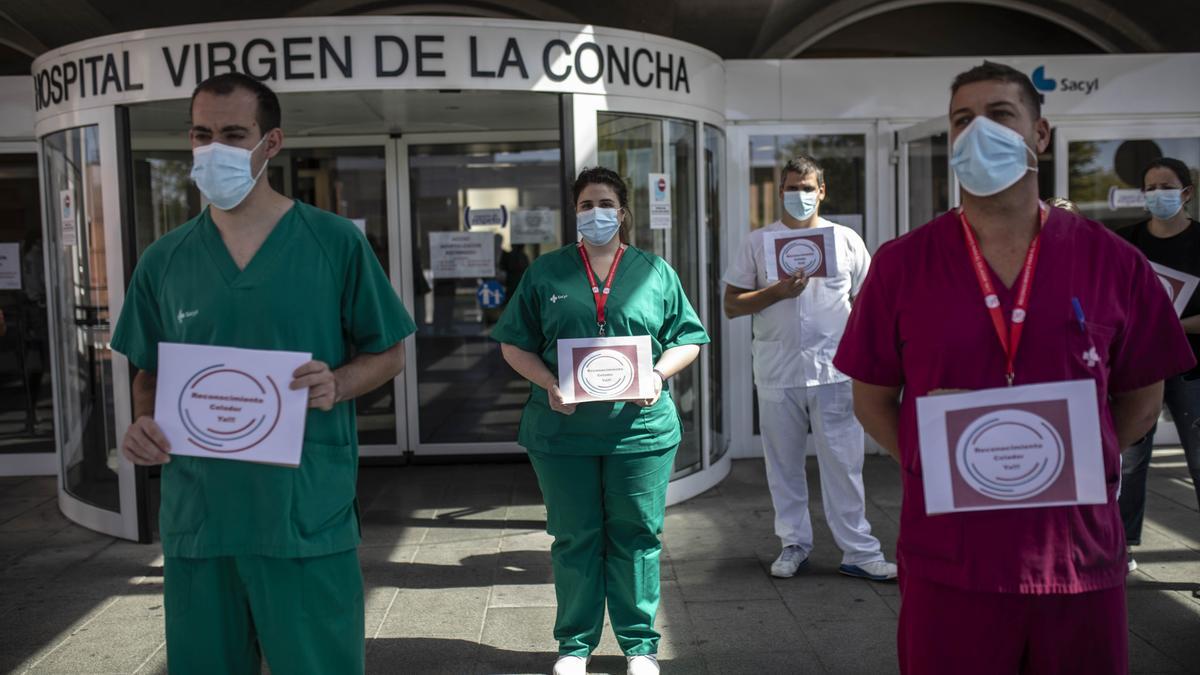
{"x": 458, "y": 580}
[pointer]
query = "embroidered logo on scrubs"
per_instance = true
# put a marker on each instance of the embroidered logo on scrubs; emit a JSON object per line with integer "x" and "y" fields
{"x": 556, "y": 298}
{"x": 1091, "y": 357}
{"x": 186, "y": 315}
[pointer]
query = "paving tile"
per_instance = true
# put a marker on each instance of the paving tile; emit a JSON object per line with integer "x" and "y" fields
{"x": 858, "y": 646}
{"x": 729, "y": 579}
{"x": 832, "y": 597}
{"x": 740, "y": 627}
{"x": 759, "y": 662}
{"x": 105, "y": 646}
{"x": 450, "y": 613}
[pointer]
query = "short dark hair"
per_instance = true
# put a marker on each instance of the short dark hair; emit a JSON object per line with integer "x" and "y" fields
{"x": 268, "y": 116}
{"x": 1181, "y": 170}
{"x": 599, "y": 175}
{"x": 803, "y": 165}
{"x": 990, "y": 71}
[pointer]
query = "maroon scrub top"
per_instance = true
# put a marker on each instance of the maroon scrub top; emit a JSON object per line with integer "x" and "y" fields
{"x": 920, "y": 323}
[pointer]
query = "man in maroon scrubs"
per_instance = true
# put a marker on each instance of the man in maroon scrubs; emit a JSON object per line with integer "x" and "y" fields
{"x": 1036, "y": 590}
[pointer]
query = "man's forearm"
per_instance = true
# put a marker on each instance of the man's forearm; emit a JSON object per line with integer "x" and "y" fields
{"x": 1136, "y": 412}
{"x": 1191, "y": 325}
{"x": 878, "y": 410}
{"x": 741, "y": 303}
{"x": 367, "y": 372}
{"x": 145, "y": 386}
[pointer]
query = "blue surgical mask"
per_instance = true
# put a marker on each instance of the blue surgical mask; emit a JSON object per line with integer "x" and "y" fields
{"x": 989, "y": 158}
{"x": 1165, "y": 203}
{"x": 597, "y": 226}
{"x": 222, "y": 173}
{"x": 800, "y": 204}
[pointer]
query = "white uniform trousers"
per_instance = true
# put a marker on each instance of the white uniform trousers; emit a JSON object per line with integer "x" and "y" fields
{"x": 784, "y": 417}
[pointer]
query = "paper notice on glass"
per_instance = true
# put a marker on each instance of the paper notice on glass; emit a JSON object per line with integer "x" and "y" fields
{"x": 10, "y": 266}
{"x": 66, "y": 210}
{"x": 462, "y": 255}
{"x": 1180, "y": 286}
{"x": 534, "y": 226}
{"x": 1011, "y": 448}
{"x": 226, "y": 403}
{"x": 660, "y": 201}
{"x": 360, "y": 223}
{"x": 605, "y": 369}
{"x": 812, "y": 251}
{"x": 853, "y": 221}
{"x": 1126, "y": 198}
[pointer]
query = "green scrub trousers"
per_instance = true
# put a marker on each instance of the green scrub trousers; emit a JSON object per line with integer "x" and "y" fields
{"x": 305, "y": 614}
{"x": 605, "y": 513}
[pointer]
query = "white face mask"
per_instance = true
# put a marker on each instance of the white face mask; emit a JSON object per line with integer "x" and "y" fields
{"x": 989, "y": 158}
{"x": 222, "y": 173}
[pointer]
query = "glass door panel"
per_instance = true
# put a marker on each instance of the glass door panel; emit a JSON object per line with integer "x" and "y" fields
{"x": 636, "y": 146}
{"x": 714, "y": 204}
{"x": 26, "y": 395}
{"x": 844, "y": 159}
{"x": 1105, "y": 175}
{"x": 79, "y": 265}
{"x": 466, "y": 392}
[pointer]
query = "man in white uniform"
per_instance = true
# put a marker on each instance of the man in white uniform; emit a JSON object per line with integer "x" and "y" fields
{"x": 798, "y": 323}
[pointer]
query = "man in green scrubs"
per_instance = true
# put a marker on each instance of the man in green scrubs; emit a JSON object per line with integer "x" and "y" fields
{"x": 261, "y": 560}
{"x": 603, "y": 467}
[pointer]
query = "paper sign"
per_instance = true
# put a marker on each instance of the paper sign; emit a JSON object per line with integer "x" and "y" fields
{"x": 485, "y": 217}
{"x": 462, "y": 255}
{"x": 812, "y": 250}
{"x": 534, "y": 226}
{"x": 66, "y": 210}
{"x": 1125, "y": 198}
{"x": 1014, "y": 447}
{"x": 660, "y": 201}
{"x": 605, "y": 369}
{"x": 360, "y": 223}
{"x": 225, "y": 403}
{"x": 10, "y": 266}
{"x": 1179, "y": 285}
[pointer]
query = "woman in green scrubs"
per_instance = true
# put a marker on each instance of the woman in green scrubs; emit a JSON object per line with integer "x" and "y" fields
{"x": 603, "y": 467}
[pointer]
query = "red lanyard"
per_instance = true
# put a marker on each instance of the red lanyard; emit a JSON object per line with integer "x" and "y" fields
{"x": 600, "y": 296}
{"x": 1010, "y": 336}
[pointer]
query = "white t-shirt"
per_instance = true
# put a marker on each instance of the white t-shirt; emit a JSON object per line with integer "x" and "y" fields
{"x": 795, "y": 339}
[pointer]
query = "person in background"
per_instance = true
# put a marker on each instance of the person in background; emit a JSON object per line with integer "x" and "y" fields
{"x": 1036, "y": 590}
{"x": 603, "y": 467}
{"x": 798, "y": 323}
{"x": 1170, "y": 237}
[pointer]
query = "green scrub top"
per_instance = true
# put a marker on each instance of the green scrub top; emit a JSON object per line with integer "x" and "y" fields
{"x": 554, "y": 301}
{"x": 314, "y": 286}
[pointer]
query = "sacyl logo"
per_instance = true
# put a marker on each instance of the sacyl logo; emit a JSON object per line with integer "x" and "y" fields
{"x": 1044, "y": 83}
{"x": 186, "y": 315}
{"x": 556, "y": 298}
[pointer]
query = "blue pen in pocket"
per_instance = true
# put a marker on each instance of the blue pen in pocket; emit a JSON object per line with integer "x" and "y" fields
{"x": 1079, "y": 315}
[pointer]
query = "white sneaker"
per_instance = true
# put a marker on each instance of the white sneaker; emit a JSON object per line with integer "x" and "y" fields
{"x": 878, "y": 570}
{"x": 642, "y": 665}
{"x": 790, "y": 561}
{"x": 1130, "y": 563}
{"x": 570, "y": 665}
